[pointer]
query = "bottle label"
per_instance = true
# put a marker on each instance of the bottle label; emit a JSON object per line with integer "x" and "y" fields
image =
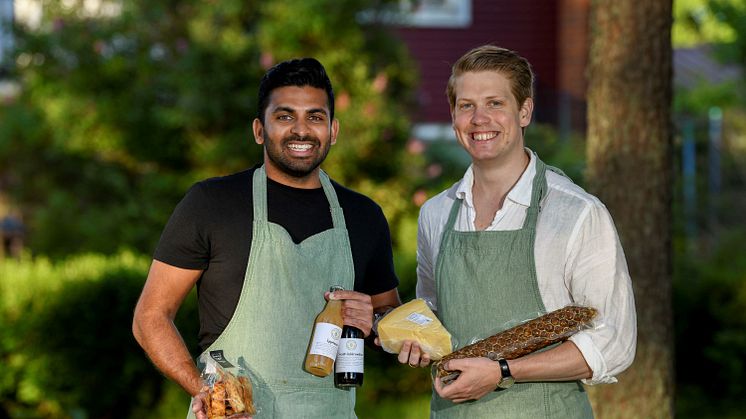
{"x": 326, "y": 340}
{"x": 350, "y": 357}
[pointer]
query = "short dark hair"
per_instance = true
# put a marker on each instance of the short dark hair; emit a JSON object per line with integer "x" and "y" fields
{"x": 297, "y": 72}
{"x": 493, "y": 58}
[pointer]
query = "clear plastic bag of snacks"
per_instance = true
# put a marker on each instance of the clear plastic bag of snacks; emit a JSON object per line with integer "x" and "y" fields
{"x": 229, "y": 391}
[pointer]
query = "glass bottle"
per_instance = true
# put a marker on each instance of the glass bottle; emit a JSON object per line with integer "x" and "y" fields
{"x": 348, "y": 369}
{"x": 327, "y": 330}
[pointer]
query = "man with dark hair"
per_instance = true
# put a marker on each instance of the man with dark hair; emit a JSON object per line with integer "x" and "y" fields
{"x": 262, "y": 246}
{"x": 513, "y": 239}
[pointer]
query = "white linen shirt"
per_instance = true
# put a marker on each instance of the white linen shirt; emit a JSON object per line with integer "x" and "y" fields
{"x": 579, "y": 260}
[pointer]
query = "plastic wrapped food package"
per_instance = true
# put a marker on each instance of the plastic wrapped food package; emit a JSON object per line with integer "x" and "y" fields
{"x": 229, "y": 396}
{"x": 416, "y": 322}
{"x": 524, "y": 338}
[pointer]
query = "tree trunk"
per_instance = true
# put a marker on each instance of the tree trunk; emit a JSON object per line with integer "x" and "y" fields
{"x": 630, "y": 169}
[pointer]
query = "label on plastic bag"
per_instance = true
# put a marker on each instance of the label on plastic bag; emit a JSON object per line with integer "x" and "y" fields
{"x": 419, "y": 319}
{"x": 220, "y": 359}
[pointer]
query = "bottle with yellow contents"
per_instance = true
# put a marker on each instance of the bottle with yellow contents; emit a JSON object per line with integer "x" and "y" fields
{"x": 327, "y": 330}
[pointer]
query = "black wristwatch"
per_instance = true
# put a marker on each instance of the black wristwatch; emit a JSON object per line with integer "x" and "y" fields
{"x": 507, "y": 379}
{"x": 377, "y": 318}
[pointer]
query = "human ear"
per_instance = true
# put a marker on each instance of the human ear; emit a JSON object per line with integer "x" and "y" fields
{"x": 526, "y": 111}
{"x": 258, "y": 129}
{"x": 335, "y": 131}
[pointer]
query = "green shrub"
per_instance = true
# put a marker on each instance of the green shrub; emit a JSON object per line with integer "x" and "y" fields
{"x": 67, "y": 347}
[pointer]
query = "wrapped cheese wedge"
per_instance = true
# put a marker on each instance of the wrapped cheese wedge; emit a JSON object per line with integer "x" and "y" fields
{"x": 416, "y": 322}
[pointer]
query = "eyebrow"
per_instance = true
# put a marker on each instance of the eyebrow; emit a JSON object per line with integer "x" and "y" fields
{"x": 294, "y": 111}
{"x": 493, "y": 97}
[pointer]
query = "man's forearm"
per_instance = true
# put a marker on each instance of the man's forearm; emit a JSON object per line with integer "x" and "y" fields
{"x": 166, "y": 349}
{"x": 561, "y": 363}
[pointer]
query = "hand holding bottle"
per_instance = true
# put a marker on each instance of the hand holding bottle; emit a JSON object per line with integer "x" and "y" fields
{"x": 357, "y": 309}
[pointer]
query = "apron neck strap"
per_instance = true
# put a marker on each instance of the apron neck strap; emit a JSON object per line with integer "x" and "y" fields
{"x": 338, "y": 218}
{"x": 538, "y": 190}
{"x": 259, "y": 192}
{"x": 453, "y": 214}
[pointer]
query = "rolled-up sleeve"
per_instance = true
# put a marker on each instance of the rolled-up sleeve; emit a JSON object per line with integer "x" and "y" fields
{"x": 597, "y": 276}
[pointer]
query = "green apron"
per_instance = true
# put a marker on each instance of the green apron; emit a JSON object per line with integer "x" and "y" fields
{"x": 282, "y": 293}
{"x": 486, "y": 281}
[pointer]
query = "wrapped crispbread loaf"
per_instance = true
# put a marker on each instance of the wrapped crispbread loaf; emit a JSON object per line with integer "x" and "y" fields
{"x": 416, "y": 322}
{"x": 523, "y": 339}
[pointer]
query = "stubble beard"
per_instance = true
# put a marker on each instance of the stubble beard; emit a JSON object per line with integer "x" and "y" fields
{"x": 297, "y": 168}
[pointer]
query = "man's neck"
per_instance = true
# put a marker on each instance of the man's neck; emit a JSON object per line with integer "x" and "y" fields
{"x": 310, "y": 181}
{"x": 493, "y": 181}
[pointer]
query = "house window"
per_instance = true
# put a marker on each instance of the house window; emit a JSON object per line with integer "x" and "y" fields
{"x": 422, "y": 13}
{"x": 435, "y": 13}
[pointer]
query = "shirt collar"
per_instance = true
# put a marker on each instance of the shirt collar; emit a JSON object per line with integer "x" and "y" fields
{"x": 520, "y": 194}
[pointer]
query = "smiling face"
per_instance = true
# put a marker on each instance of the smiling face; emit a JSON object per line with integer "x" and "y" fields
{"x": 297, "y": 134}
{"x": 487, "y": 119}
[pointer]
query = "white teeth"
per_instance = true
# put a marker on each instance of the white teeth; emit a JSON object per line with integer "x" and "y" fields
{"x": 483, "y": 136}
{"x": 299, "y": 147}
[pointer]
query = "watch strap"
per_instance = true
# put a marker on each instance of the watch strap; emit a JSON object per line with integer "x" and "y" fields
{"x": 506, "y": 380}
{"x": 504, "y": 368}
{"x": 377, "y": 317}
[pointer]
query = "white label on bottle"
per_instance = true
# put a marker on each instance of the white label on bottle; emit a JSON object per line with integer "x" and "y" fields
{"x": 326, "y": 340}
{"x": 350, "y": 356}
{"x": 420, "y": 319}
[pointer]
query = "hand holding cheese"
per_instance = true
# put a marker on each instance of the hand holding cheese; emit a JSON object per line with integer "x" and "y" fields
{"x": 414, "y": 321}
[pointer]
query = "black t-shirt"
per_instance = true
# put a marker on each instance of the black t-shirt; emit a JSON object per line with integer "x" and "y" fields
{"x": 211, "y": 229}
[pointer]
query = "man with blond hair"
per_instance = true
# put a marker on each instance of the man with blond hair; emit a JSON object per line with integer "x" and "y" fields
{"x": 512, "y": 239}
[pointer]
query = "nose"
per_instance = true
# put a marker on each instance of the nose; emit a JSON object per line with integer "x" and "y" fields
{"x": 479, "y": 116}
{"x": 300, "y": 127}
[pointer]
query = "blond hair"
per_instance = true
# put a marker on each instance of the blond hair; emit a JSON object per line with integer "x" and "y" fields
{"x": 493, "y": 58}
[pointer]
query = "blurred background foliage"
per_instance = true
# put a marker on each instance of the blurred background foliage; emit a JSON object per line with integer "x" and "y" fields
{"x": 118, "y": 114}
{"x": 709, "y": 201}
